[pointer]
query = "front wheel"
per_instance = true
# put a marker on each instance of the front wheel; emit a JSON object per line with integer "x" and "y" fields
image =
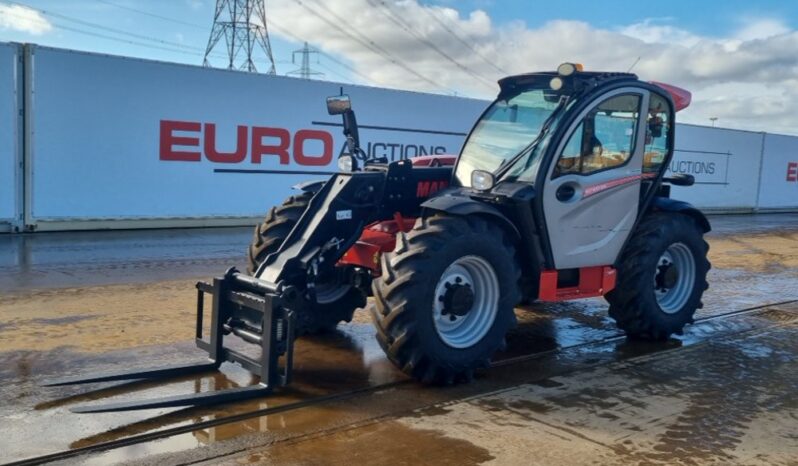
{"x": 445, "y": 300}
{"x": 336, "y": 299}
{"x": 661, "y": 277}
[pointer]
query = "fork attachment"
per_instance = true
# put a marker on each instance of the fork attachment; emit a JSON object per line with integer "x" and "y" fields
{"x": 247, "y": 307}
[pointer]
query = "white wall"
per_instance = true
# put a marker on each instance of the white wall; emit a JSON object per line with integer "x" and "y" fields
{"x": 778, "y": 188}
{"x": 97, "y": 122}
{"x": 9, "y": 143}
{"x": 101, "y": 154}
{"x": 725, "y": 164}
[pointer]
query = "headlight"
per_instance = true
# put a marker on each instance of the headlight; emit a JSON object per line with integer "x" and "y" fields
{"x": 482, "y": 180}
{"x": 556, "y": 83}
{"x": 346, "y": 163}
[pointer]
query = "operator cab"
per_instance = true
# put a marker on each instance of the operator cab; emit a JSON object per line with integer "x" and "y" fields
{"x": 587, "y": 150}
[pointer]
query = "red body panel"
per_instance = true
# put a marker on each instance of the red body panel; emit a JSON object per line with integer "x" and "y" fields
{"x": 376, "y": 238}
{"x": 437, "y": 160}
{"x": 593, "y": 281}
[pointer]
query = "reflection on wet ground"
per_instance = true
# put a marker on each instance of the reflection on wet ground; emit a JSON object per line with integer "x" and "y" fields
{"x": 728, "y": 401}
{"x": 338, "y": 361}
{"x": 58, "y": 332}
{"x": 345, "y": 360}
{"x": 616, "y": 402}
{"x": 85, "y": 258}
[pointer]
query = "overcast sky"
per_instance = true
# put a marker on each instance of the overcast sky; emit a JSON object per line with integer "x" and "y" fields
{"x": 739, "y": 58}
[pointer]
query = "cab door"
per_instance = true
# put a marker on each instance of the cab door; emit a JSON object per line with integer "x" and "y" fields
{"x": 592, "y": 189}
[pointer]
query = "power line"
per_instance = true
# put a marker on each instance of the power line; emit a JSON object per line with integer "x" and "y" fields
{"x": 274, "y": 25}
{"x": 107, "y": 37}
{"x": 153, "y": 15}
{"x": 290, "y": 34}
{"x": 334, "y": 72}
{"x": 242, "y": 23}
{"x": 106, "y": 28}
{"x": 389, "y": 13}
{"x": 174, "y": 47}
{"x": 370, "y": 44}
{"x": 463, "y": 41}
{"x": 305, "y": 72}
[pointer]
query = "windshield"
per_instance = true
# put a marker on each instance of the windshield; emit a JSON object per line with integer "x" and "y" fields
{"x": 508, "y": 126}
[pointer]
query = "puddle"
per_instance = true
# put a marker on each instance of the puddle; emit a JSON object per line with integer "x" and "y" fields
{"x": 382, "y": 444}
{"x": 59, "y": 332}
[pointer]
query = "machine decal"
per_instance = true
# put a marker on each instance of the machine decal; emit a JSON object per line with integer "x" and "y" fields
{"x": 601, "y": 187}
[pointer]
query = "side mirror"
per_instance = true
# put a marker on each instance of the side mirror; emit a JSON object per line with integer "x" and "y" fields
{"x": 338, "y": 104}
{"x": 655, "y": 127}
{"x": 680, "y": 179}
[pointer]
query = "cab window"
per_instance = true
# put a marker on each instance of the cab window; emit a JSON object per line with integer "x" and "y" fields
{"x": 604, "y": 139}
{"x": 657, "y": 130}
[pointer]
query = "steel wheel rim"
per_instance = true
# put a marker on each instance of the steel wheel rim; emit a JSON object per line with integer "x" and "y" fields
{"x": 331, "y": 291}
{"x": 671, "y": 299}
{"x": 467, "y": 330}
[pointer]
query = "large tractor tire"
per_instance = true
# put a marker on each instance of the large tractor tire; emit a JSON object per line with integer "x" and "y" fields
{"x": 662, "y": 275}
{"x": 336, "y": 299}
{"x": 445, "y": 300}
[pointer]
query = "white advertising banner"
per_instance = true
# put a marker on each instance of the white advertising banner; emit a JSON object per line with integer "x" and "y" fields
{"x": 724, "y": 162}
{"x": 119, "y": 138}
{"x": 778, "y": 188}
{"x": 9, "y": 134}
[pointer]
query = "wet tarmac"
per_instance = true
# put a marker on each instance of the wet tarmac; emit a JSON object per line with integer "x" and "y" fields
{"x": 87, "y": 258}
{"x": 571, "y": 389}
{"x": 727, "y": 400}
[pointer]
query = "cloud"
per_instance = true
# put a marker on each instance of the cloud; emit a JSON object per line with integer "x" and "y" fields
{"x": 743, "y": 79}
{"x": 651, "y": 32}
{"x": 761, "y": 29}
{"x": 196, "y": 4}
{"x": 23, "y": 19}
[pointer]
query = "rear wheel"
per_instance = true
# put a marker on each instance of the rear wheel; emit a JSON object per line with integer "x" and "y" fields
{"x": 661, "y": 277}
{"x": 446, "y": 296}
{"x": 336, "y": 298}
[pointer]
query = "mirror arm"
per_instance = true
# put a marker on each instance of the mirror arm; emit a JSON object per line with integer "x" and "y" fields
{"x": 351, "y": 132}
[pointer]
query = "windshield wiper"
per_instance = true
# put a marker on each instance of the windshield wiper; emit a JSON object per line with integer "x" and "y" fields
{"x": 506, "y": 164}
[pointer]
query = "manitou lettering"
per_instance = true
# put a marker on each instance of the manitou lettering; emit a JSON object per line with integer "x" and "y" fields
{"x": 792, "y": 171}
{"x": 307, "y": 147}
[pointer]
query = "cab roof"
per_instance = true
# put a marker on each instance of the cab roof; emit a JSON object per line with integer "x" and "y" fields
{"x": 681, "y": 97}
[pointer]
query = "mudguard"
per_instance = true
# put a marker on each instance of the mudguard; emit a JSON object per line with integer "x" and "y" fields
{"x": 457, "y": 203}
{"x": 672, "y": 205}
{"x": 312, "y": 186}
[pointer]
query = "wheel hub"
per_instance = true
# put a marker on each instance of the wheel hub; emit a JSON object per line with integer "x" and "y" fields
{"x": 466, "y": 301}
{"x": 674, "y": 278}
{"x": 457, "y": 300}
{"x": 667, "y": 275}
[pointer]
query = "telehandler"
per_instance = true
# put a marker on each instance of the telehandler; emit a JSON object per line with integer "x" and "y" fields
{"x": 559, "y": 193}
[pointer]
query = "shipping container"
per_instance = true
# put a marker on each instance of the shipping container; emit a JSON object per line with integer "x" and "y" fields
{"x": 10, "y": 137}
{"x": 115, "y": 142}
{"x": 725, "y": 164}
{"x": 122, "y": 142}
{"x": 778, "y": 187}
